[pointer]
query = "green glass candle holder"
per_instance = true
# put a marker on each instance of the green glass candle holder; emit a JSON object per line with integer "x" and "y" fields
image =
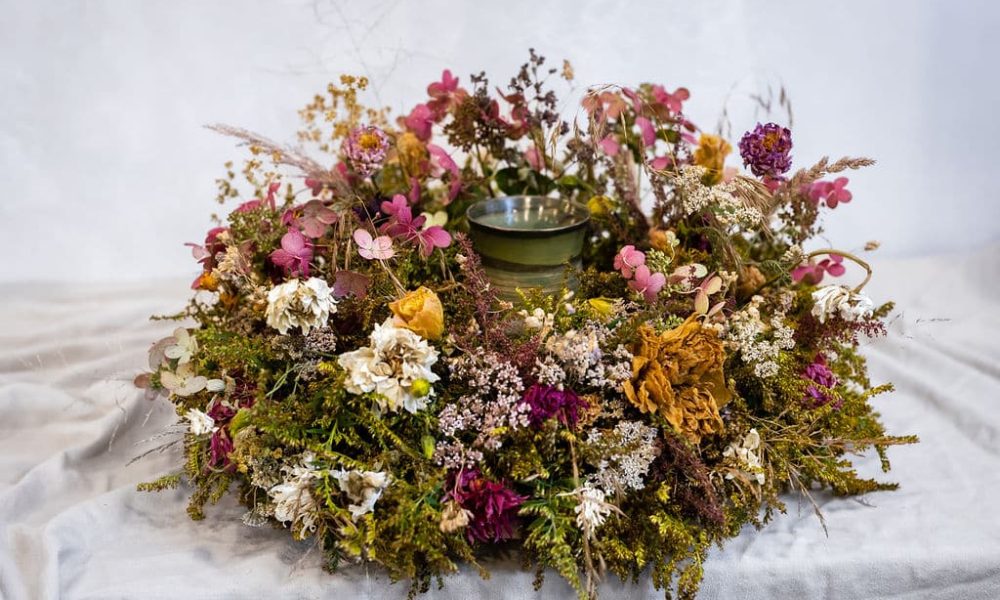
{"x": 526, "y": 242}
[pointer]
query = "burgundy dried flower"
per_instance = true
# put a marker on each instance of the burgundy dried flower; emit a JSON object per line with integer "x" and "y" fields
{"x": 365, "y": 149}
{"x": 766, "y": 150}
{"x": 492, "y": 504}
{"x": 818, "y": 373}
{"x": 219, "y": 448}
{"x": 547, "y": 401}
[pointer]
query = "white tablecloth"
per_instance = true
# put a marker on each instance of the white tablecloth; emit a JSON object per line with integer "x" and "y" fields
{"x": 73, "y": 526}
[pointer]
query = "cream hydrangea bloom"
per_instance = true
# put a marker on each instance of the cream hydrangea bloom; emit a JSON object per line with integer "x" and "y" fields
{"x": 396, "y": 365}
{"x": 836, "y": 299}
{"x": 293, "y": 498}
{"x": 307, "y": 305}
{"x": 363, "y": 488}
{"x": 746, "y": 453}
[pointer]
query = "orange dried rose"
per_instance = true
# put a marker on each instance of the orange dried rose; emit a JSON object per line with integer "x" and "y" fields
{"x": 678, "y": 374}
{"x": 421, "y": 312}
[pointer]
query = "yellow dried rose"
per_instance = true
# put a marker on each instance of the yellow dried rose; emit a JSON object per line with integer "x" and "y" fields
{"x": 411, "y": 151}
{"x": 711, "y": 153}
{"x": 678, "y": 374}
{"x": 421, "y": 312}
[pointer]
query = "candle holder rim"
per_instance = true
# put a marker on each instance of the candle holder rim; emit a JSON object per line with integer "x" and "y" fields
{"x": 581, "y": 212}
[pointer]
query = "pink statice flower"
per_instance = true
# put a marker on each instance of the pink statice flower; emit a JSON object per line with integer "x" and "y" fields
{"x": 295, "y": 253}
{"x": 812, "y": 272}
{"x": 365, "y": 149}
{"x": 379, "y": 248}
{"x": 627, "y": 259}
{"x": 420, "y": 121}
{"x": 646, "y": 283}
{"x": 830, "y": 193}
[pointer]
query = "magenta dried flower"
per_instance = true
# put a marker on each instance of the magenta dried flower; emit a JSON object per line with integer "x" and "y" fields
{"x": 547, "y": 401}
{"x": 766, "y": 150}
{"x": 365, "y": 149}
{"x": 818, "y": 373}
{"x": 492, "y": 504}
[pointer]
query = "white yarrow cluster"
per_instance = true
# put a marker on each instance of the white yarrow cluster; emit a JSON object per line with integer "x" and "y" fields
{"x": 626, "y": 469}
{"x": 307, "y": 305}
{"x": 746, "y": 454}
{"x": 390, "y": 366}
{"x": 578, "y": 355}
{"x": 758, "y": 343}
{"x": 363, "y": 488}
{"x": 835, "y": 300}
{"x": 719, "y": 198}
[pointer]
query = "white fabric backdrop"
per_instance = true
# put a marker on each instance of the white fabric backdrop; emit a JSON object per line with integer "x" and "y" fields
{"x": 105, "y": 168}
{"x": 72, "y": 525}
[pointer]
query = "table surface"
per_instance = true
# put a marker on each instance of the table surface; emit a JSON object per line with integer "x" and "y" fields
{"x": 73, "y": 526}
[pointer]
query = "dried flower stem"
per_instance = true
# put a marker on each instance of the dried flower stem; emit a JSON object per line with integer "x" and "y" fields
{"x": 867, "y": 267}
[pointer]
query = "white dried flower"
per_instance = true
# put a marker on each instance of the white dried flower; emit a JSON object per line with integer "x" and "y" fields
{"x": 183, "y": 382}
{"x": 591, "y": 509}
{"x": 396, "y": 365}
{"x": 184, "y": 347}
{"x": 200, "y": 423}
{"x": 633, "y": 449}
{"x": 837, "y": 299}
{"x": 363, "y": 488}
{"x": 307, "y": 305}
{"x": 745, "y": 453}
{"x": 454, "y": 517}
{"x": 293, "y": 498}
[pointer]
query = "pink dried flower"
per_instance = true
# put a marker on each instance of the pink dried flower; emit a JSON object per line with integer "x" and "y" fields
{"x": 812, "y": 272}
{"x": 445, "y": 94}
{"x": 313, "y": 217}
{"x": 830, "y": 192}
{"x": 646, "y": 283}
{"x": 365, "y": 149}
{"x": 547, "y": 401}
{"x": 648, "y": 133}
{"x": 674, "y": 102}
{"x": 492, "y": 504}
{"x": 402, "y": 224}
{"x": 420, "y": 121}
{"x": 627, "y": 259}
{"x": 442, "y": 163}
{"x": 379, "y": 248}
{"x": 294, "y": 254}
{"x": 610, "y": 145}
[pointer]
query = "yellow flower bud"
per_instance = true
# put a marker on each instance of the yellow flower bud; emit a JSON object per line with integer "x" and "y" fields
{"x": 600, "y": 206}
{"x": 603, "y": 306}
{"x": 711, "y": 154}
{"x": 421, "y": 312}
{"x": 420, "y": 388}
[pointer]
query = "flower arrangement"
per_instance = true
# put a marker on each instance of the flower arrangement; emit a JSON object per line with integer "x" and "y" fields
{"x": 354, "y": 377}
